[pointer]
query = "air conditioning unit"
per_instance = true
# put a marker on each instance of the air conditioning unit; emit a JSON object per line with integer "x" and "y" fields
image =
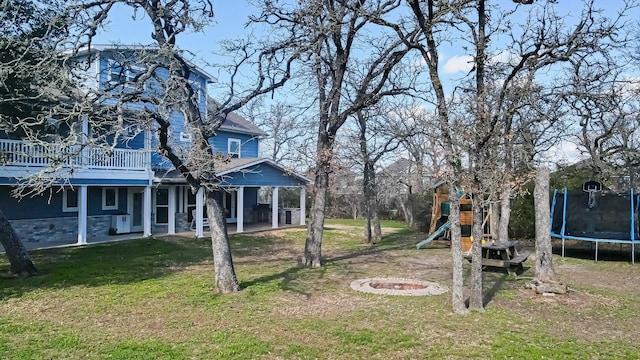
{"x": 121, "y": 223}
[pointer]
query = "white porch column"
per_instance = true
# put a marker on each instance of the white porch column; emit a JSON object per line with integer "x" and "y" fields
{"x": 181, "y": 207}
{"x": 274, "y": 208}
{"x": 240, "y": 211}
{"x": 199, "y": 212}
{"x": 146, "y": 219}
{"x": 171, "y": 228}
{"x": 233, "y": 212}
{"x": 82, "y": 214}
{"x": 303, "y": 205}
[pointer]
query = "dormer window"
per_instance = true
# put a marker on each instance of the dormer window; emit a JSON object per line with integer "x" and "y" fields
{"x": 234, "y": 148}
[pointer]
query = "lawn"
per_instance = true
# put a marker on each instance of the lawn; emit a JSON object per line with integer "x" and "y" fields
{"x": 154, "y": 299}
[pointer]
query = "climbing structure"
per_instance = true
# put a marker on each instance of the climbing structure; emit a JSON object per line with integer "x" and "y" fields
{"x": 440, "y": 223}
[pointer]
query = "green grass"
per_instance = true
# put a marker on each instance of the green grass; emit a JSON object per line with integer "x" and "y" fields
{"x": 154, "y": 299}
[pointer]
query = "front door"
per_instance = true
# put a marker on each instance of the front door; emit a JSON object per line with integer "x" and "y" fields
{"x": 136, "y": 209}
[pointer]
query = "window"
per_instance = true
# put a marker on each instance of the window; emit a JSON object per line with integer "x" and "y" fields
{"x": 69, "y": 200}
{"x": 109, "y": 198}
{"x": 162, "y": 206}
{"x": 191, "y": 203}
{"x": 120, "y": 74}
{"x": 234, "y": 148}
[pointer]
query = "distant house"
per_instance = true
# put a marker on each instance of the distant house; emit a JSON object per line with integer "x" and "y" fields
{"x": 134, "y": 189}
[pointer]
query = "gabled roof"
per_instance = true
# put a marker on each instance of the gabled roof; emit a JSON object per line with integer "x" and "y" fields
{"x": 234, "y": 122}
{"x": 238, "y": 164}
{"x": 233, "y": 165}
{"x": 107, "y": 47}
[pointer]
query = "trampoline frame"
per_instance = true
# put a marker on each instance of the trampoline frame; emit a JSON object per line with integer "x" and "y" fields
{"x": 633, "y": 203}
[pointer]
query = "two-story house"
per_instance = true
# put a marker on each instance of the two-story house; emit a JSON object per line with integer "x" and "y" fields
{"x": 132, "y": 188}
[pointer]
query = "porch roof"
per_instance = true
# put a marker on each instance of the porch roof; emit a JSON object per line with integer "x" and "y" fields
{"x": 244, "y": 172}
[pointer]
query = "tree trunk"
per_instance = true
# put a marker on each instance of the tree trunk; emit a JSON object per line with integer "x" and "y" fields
{"x": 225, "y": 275}
{"x": 369, "y": 194}
{"x": 545, "y": 280}
{"x": 495, "y": 219}
{"x": 19, "y": 258}
{"x": 505, "y": 211}
{"x": 475, "y": 302}
{"x": 544, "y": 255}
{"x": 313, "y": 244}
{"x": 408, "y": 211}
{"x": 368, "y": 234}
{"x": 457, "y": 291}
{"x": 476, "y": 299}
{"x": 377, "y": 229}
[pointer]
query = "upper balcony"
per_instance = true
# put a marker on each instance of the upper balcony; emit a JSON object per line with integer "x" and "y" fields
{"x": 20, "y": 158}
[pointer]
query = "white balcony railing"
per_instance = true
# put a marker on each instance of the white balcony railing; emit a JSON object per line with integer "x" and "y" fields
{"x": 24, "y": 154}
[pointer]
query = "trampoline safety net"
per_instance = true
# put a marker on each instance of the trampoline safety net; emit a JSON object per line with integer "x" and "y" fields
{"x": 608, "y": 218}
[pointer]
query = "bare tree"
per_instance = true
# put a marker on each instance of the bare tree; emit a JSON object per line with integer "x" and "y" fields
{"x": 352, "y": 70}
{"x": 418, "y": 133}
{"x": 543, "y": 42}
{"x": 430, "y": 19}
{"x": 30, "y": 81}
{"x": 289, "y": 130}
{"x": 366, "y": 145}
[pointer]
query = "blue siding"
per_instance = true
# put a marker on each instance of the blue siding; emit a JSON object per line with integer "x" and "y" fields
{"x": 178, "y": 125}
{"x": 137, "y": 142}
{"x": 32, "y": 207}
{"x": 262, "y": 175}
{"x": 248, "y": 148}
{"x": 45, "y": 206}
{"x": 250, "y": 197}
{"x": 152, "y": 86}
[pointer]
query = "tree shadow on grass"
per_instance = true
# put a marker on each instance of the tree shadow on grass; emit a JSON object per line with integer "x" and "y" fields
{"x": 96, "y": 265}
{"x": 296, "y": 278}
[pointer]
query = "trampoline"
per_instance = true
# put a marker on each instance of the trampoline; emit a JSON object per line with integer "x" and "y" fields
{"x": 596, "y": 216}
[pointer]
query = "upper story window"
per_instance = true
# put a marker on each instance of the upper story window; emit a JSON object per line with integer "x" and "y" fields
{"x": 120, "y": 74}
{"x": 234, "y": 148}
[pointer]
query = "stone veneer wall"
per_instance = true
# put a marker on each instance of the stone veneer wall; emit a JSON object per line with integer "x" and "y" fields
{"x": 182, "y": 225}
{"x": 295, "y": 216}
{"x": 182, "y": 222}
{"x": 60, "y": 229}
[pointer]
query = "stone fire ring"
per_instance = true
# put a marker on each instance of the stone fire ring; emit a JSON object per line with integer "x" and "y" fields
{"x": 398, "y": 286}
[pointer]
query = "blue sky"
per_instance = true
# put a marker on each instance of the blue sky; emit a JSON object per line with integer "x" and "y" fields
{"x": 229, "y": 19}
{"x": 231, "y": 16}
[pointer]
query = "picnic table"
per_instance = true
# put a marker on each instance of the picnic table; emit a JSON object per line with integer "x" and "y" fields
{"x": 502, "y": 254}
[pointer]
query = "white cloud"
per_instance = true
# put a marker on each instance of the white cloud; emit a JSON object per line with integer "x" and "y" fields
{"x": 564, "y": 152}
{"x": 458, "y": 63}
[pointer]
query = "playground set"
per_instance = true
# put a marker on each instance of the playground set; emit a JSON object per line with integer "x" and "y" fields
{"x": 596, "y": 216}
{"x": 499, "y": 253}
{"x": 592, "y": 215}
{"x": 440, "y": 224}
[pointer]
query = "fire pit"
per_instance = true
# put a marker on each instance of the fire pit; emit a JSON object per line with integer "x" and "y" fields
{"x": 398, "y": 286}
